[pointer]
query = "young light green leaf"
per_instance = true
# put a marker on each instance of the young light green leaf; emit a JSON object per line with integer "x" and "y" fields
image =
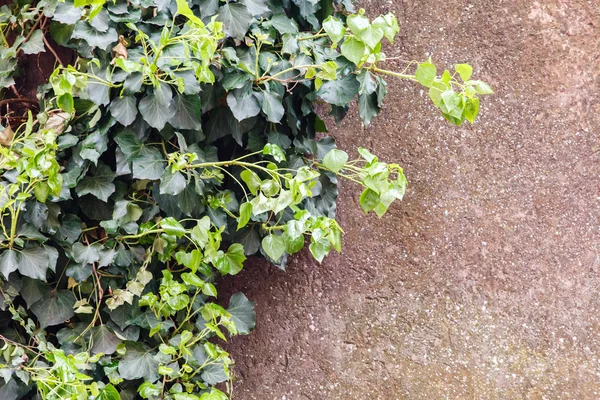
{"x": 245, "y": 214}
{"x": 426, "y": 73}
{"x": 251, "y": 179}
{"x": 354, "y": 50}
{"x": 273, "y": 246}
{"x": 335, "y": 160}
{"x": 465, "y": 71}
{"x": 334, "y": 28}
{"x": 274, "y": 151}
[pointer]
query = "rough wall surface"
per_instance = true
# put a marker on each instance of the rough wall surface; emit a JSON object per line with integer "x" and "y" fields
{"x": 485, "y": 282}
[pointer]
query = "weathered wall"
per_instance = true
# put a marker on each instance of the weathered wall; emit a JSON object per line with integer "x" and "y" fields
{"x": 484, "y": 283}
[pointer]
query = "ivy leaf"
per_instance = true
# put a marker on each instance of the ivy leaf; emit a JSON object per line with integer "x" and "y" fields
{"x": 147, "y": 161}
{"x": 272, "y": 107}
{"x": 231, "y": 262}
{"x": 35, "y": 44}
{"x": 188, "y": 113}
{"x": 83, "y": 254}
{"x": 245, "y": 214}
{"x": 236, "y": 19}
{"x": 100, "y": 185}
{"x": 371, "y": 36}
{"x": 357, "y": 23}
{"x": 54, "y": 308}
{"x": 319, "y": 250}
{"x": 251, "y": 179}
{"x": 104, "y": 340}
{"x": 256, "y": 7}
{"x": 335, "y": 160}
{"x": 109, "y": 393}
{"x": 93, "y": 37}
{"x": 124, "y": 109}
{"x": 274, "y": 246}
{"x": 155, "y": 112}
{"x": 9, "y": 262}
{"x": 213, "y": 374}
{"x": 354, "y": 50}
{"x": 243, "y": 106}
{"x": 34, "y": 262}
{"x": 334, "y": 28}
{"x": 275, "y": 151}
{"x": 426, "y": 73}
{"x": 172, "y": 183}
{"x": 368, "y": 108}
{"x": 369, "y": 199}
{"x": 139, "y": 363}
{"x": 465, "y": 71}
{"x": 339, "y": 92}
{"x": 283, "y": 24}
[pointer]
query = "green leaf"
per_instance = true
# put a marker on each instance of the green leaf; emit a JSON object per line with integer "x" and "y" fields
{"x": 481, "y": 87}
{"x": 245, "y": 214}
{"x": 273, "y": 246}
{"x": 319, "y": 250}
{"x": 231, "y": 262}
{"x": 103, "y": 340}
{"x": 426, "y": 73}
{"x": 335, "y": 160}
{"x": 124, "y": 109}
{"x": 200, "y": 231}
{"x": 172, "y": 227}
{"x": 242, "y": 313}
{"x": 236, "y": 19}
{"x": 339, "y": 92}
{"x": 272, "y": 107}
{"x": 256, "y": 7}
{"x": 100, "y": 185}
{"x": 54, "y": 308}
{"x": 243, "y": 105}
{"x": 138, "y": 363}
{"x": 9, "y": 262}
{"x": 388, "y": 24}
{"x": 109, "y": 393}
{"x": 172, "y": 183}
{"x": 147, "y": 161}
{"x": 369, "y": 199}
{"x": 274, "y": 151}
{"x": 84, "y": 254}
{"x": 465, "y": 71}
{"x": 471, "y": 110}
{"x": 371, "y": 36}
{"x": 354, "y": 50}
{"x": 35, "y": 44}
{"x": 251, "y": 179}
{"x": 155, "y": 112}
{"x": 368, "y": 108}
{"x": 184, "y": 9}
{"x": 188, "y": 113}
{"x": 34, "y": 262}
{"x": 357, "y": 23}
{"x": 283, "y": 24}
{"x": 93, "y": 37}
{"x": 334, "y": 28}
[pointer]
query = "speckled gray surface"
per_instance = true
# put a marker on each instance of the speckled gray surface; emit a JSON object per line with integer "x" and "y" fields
{"x": 484, "y": 283}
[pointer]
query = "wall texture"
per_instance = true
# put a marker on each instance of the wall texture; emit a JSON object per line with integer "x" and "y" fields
{"x": 484, "y": 283}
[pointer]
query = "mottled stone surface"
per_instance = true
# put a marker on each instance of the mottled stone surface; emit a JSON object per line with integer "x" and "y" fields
{"x": 484, "y": 283}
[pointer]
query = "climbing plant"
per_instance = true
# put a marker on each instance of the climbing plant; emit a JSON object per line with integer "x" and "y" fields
{"x": 182, "y": 140}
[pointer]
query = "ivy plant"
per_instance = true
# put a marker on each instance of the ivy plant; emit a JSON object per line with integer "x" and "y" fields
{"x": 182, "y": 140}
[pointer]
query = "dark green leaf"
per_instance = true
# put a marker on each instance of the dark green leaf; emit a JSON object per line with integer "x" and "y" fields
{"x": 124, "y": 109}
{"x": 188, "y": 113}
{"x": 103, "y": 340}
{"x": 99, "y": 185}
{"x": 242, "y": 313}
{"x": 54, "y": 308}
{"x": 272, "y": 107}
{"x": 339, "y": 92}
{"x": 236, "y": 19}
{"x": 95, "y": 38}
{"x": 139, "y": 363}
{"x": 35, "y": 44}
{"x": 172, "y": 183}
{"x": 155, "y": 112}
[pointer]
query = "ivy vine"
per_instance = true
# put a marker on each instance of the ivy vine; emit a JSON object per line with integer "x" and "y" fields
{"x": 182, "y": 140}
